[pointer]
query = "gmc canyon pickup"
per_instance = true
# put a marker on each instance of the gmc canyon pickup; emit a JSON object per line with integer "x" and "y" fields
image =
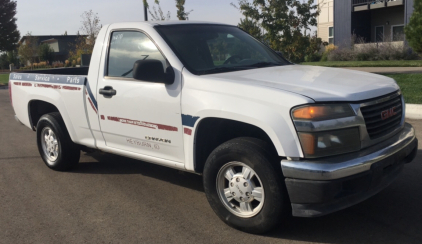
{"x": 270, "y": 138}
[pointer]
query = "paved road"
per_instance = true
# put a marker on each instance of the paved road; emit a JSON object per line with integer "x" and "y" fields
{"x": 111, "y": 199}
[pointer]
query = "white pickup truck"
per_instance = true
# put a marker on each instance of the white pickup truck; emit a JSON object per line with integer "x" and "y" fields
{"x": 270, "y": 138}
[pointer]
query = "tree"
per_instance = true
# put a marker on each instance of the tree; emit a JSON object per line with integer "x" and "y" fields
{"x": 28, "y": 49}
{"x": 9, "y": 35}
{"x": 157, "y": 13}
{"x": 12, "y": 57}
{"x": 251, "y": 27}
{"x": 4, "y": 64}
{"x": 181, "y": 14}
{"x": 84, "y": 44}
{"x": 90, "y": 25}
{"x": 9, "y": 57}
{"x": 285, "y": 23}
{"x": 413, "y": 30}
{"x": 45, "y": 53}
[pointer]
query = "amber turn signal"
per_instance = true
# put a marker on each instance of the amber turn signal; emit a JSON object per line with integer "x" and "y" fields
{"x": 322, "y": 112}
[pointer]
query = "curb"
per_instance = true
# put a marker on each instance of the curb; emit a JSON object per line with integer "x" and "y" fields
{"x": 413, "y": 111}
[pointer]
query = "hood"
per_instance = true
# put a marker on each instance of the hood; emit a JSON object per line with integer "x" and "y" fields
{"x": 318, "y": 83}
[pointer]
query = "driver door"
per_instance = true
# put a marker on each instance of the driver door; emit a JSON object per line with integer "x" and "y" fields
{"x": 142, "y": 117}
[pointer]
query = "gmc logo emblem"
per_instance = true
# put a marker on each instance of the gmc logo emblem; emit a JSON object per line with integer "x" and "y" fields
{"x": 388, "y": 113}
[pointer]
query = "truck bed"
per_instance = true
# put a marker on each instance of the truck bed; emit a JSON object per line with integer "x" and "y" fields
{"x": 65, "y": 90}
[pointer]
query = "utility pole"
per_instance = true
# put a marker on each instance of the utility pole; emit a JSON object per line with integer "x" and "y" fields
{"x": 145, "y": 12}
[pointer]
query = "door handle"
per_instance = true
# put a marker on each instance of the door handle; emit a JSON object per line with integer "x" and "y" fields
{"x": 108, "y": 91}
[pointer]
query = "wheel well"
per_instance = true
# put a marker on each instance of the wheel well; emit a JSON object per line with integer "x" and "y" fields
{"x": 213, "y": 132}
{"x": 36, "y": 109}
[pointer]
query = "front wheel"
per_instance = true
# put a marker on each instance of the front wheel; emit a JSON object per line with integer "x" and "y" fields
{"x": 244, "y": 186}
{"x": 54, "y": 143}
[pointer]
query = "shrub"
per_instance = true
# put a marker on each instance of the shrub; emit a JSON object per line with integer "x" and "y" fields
{"x": 328, "y": 49}
{"x": 373, "y": 52}
{"x": 315, "y": 57}
{"x": 344, "y": 54}
{"x": 57, "y": 64}
{"x": 414, "y": 29}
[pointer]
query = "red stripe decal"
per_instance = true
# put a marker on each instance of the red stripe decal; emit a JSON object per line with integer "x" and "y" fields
{"x": 72, "y": 88}
{"x": 187, "y": 131}
{"x": 57, "y": 87}
{"x": 49, "y": 86}
{"x": 102, "y": 117}
{"x": 92, "y": 105}
{"x": 142, "y": 124}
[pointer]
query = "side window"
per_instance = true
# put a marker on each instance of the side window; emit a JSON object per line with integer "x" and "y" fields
{"x": 126, "y": 47}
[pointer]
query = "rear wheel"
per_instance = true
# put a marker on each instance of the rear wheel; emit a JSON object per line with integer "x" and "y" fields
{"x": 54, "y": 143}
{"x": 244, "y": 186}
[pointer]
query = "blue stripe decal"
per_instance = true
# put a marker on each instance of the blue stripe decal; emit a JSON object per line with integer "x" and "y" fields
{"x": 189, "y": 120}
{"x": 94, "y": 101}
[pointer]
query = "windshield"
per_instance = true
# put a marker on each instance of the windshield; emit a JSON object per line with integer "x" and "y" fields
{"x": 209, "y": 49}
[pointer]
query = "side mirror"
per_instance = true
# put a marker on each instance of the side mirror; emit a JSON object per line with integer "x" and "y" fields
{"x": 152, "y": 70}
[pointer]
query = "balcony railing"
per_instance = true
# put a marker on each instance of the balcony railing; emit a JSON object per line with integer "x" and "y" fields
{"x": 363, "y": 2}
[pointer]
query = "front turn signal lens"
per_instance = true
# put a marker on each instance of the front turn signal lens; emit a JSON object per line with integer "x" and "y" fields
{"x": 322, "y": 112}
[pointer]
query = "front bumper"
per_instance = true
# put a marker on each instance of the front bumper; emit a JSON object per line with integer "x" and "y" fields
{"x": 322, "y": 186}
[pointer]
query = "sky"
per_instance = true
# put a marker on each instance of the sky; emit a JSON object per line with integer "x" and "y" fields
{"x": 54, "y": 17}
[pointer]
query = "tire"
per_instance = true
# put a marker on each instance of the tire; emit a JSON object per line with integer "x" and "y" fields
{"x": 253, "y": 213}
{"x": 54, "y": 144}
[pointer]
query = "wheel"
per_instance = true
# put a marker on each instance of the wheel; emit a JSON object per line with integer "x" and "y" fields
{"x": 54, "y": 144}
{"x": 244, "y": 187}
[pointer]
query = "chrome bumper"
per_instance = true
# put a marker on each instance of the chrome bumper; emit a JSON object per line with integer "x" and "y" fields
{"x": 337, "y": 167}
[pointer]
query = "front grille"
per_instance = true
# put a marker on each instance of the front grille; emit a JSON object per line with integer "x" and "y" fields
{"x": 381, "y": 119}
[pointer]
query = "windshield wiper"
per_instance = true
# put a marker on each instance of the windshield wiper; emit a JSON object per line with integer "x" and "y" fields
{"x": 223, "y": 69}
{"x": 264, "y": 64}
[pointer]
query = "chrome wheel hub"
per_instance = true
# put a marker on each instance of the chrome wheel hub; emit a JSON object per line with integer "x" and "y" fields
{"x": 49, "y": 144}
{"x": 240, "y": 189}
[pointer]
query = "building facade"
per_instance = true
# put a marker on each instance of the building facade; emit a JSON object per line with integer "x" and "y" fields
{"x": 60, "y": 44}
{"x": 325, "y": 29}
{"x": 371, "y": 21}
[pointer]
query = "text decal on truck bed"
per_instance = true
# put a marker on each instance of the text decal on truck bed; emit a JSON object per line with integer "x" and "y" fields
{"x": 59, "y": 79}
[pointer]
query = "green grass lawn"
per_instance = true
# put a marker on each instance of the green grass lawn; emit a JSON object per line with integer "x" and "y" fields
{"x": 410, "y": 85}
{"x": 382, "y": 63}
{"x": 4, "y": 78}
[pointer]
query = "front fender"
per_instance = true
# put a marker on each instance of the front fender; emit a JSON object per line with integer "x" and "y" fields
{"x": 263, "y": 107}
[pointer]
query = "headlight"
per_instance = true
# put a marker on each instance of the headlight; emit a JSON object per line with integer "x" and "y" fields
{"x": 322, "y": 112}
{"x": 328, "y": 143}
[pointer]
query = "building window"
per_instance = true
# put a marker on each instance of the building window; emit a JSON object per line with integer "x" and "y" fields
{"x": 379, "y": 33}
{"x": 331, "y": 34}
{"x": 397, "y": 33}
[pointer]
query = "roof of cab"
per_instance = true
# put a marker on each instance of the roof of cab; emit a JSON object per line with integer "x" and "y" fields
{"x": 174, "y": 22}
